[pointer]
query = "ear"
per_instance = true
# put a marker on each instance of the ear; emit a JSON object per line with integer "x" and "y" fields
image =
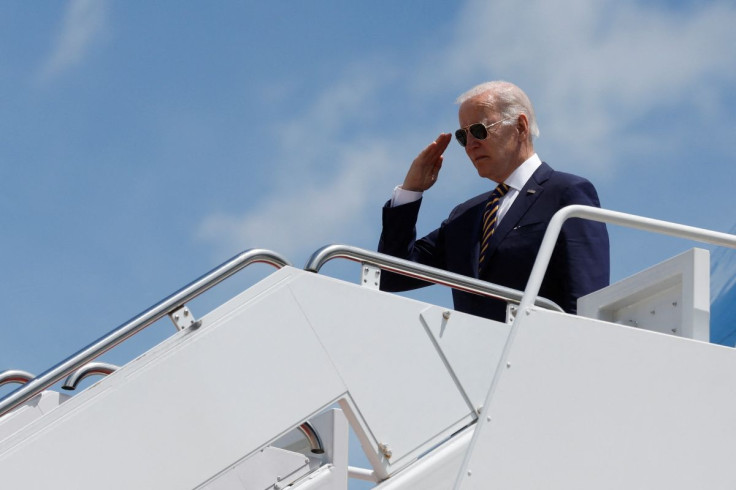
{"x": 522, "y": 125}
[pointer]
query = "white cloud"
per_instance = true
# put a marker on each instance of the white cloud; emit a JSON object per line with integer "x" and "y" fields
{"x": 84, "y": 21}
{"x": 595, "y": 68}
{"x": 592, "y": 68}
{"x": 327, "y": 177}
{"x": 299, "y": 220}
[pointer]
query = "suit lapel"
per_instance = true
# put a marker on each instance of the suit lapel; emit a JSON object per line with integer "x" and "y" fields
{"x": 528, "y": 195}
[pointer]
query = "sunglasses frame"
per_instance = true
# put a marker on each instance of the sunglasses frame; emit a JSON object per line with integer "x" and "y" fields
{"x": 467, "y": 129}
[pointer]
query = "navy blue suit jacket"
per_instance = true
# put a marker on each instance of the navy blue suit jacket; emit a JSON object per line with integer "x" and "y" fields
{"x": 579, "y": 264}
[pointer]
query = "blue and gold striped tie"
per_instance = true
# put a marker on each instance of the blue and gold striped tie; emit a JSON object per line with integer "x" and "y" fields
{"x": 489, "y": 219}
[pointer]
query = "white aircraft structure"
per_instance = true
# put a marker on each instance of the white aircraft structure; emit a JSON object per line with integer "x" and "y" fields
{"x": 261, "y": 392}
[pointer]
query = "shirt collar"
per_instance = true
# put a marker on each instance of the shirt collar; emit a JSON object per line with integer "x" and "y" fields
{"x": 519, "y": 177}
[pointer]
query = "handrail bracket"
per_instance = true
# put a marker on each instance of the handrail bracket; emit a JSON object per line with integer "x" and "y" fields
{"x": 183, "y": 318}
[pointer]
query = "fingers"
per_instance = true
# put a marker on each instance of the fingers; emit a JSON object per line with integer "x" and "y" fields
{"x": 436, "y": 148}
{"x": 425, "y": 168}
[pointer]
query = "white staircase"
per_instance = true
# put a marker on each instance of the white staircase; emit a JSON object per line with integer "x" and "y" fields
{"x": 438, "y": 399}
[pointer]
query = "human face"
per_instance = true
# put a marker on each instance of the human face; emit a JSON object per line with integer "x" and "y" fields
{"x": 496, "y": 156}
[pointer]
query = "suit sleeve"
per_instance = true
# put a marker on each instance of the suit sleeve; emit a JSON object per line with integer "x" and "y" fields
{"x": 398, "y": 239}
{"x": 581, "y": 257}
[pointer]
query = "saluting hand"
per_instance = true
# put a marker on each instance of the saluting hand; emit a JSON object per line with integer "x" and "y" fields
{"x": 426, "y": 166}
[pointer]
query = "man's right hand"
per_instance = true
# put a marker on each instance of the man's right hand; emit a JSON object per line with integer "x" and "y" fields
{"x": 426, "y": 166}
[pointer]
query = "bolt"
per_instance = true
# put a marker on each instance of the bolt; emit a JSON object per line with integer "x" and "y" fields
{"x": 385, "y": 450}
{"x": 446, "y": 314}
{"x": 186, "y": 312}
{"x": 176, "y": 317}
{"x": 508, "y": 364}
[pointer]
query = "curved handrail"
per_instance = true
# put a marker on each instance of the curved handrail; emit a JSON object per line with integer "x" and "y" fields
{"x": 315, "y": 442}
{"x": 15, "y": 376}
{"x": 419, "y": 271}
{"x": 138, "y": 323}
{"x": 614, "y": 217}
{"x": 89, "y": 369}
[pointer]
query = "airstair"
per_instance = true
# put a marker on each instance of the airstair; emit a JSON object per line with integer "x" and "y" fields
{"x": 262, "y": 392}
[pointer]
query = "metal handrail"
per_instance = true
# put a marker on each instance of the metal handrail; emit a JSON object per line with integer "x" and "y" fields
{"x": 540, "y": 268}
{"x": 138, "y": 323}
{"x": 419, "y": 271}
{"x": 614, "y": 217}
{"x": 313, "y": 438}
{"x": 89, "y": 369}
{"x": 15, "y": 376}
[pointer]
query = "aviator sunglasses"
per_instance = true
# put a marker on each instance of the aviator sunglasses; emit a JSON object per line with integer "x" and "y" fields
{"x": 478, "y": 130}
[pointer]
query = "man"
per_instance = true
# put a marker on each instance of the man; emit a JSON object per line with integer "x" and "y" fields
{"x": 496, "y": 236}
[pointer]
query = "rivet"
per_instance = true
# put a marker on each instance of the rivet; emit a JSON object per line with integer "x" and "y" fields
{"x": 446, "y": 314}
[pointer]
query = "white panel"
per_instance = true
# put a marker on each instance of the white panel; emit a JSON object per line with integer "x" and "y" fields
{"x": 188, "y": 408}
{"x": 262, "y": 470}
{"x": 396, "y": 378}
{"x": 471, "y": 346}
{"x": 34, "y": 408}
{"x": 435, "y": 471}
{"x": 672, "y": 297}
{"x": 585, "y": 404}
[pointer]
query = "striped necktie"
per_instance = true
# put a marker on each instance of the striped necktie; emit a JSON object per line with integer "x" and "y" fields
{"x": 489, "y": 219}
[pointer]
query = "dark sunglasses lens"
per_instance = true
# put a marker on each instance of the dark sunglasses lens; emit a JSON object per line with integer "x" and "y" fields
{"x": 478, "y": 131}
{"x": 461, "y": 137}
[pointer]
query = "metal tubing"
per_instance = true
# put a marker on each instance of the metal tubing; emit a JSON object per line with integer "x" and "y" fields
{"x": 540, "y": 267}
{"x": 89, "y": 369}
{"x": 15, "y": 376}
{"x": 419, "y": 271}
{"x": 315, "y": 442}
{"x": 614, "y": 217}
{"x": 138, "y": 323}
{"x": 362, "y": 474}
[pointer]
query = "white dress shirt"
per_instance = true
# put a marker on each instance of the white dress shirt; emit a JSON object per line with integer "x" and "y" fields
{"x": 516, "y": 181}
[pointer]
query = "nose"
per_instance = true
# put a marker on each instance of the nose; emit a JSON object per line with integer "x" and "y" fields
{"x": 471, "y": 141}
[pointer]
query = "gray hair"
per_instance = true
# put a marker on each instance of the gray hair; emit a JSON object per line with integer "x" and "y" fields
{"x": 506, "y": 98}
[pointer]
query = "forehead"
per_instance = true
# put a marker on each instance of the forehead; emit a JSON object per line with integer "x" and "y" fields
{"x": 477, "y": 109}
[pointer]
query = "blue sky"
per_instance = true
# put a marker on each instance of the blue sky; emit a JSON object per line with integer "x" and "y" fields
{"x": 146, "y": 142}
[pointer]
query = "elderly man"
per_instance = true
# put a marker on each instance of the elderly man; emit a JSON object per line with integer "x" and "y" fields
{"x": 496, "y": 236}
